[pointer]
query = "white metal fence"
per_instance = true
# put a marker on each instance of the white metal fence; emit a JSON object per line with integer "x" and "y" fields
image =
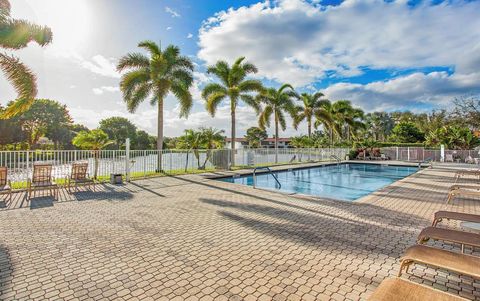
{"x": 142, "y": 163}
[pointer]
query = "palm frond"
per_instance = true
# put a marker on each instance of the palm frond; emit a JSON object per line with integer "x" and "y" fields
{"x": 140, "y": 93}
{"x": 184, "y": 97}
{"x": 264, "y": 118}
{"x": 131, "y": 80}
{"x": 213, "y": 101}
{"x": 281, "y": 120}
{"x": 251, "y": 85}
{"x": 221, "y": 70}
{"x": 23, "y": 81}
{"x": 251, "y": 101}
{"x": 212, "y": 88}
{"x": 151, "y": 46}
{"x": 133, "y": 60}
{"x": 16, "y": 34}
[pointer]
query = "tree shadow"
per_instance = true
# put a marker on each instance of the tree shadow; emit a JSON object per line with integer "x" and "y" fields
{"x": 328, "y": 231}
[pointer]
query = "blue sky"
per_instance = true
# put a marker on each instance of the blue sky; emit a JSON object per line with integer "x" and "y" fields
{"x": 381, "y": 55}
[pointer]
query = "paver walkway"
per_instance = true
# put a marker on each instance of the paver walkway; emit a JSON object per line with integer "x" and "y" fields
{"x": 190, "y": 238}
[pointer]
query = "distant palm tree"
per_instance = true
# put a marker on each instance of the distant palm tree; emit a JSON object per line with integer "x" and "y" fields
{"x": 16, "y": 34}
{"x": 154, "y": 77}
{"x": 277, "y": 103}
{"x": 191, "y": 141}
{"x": 94, "y": 140}
{"x": 326, "y": 116}
{"x": 340, "y": 117}
{"x": 211, "y": 139}
{"x": 311, "y": 106}
{"x": 233, "y": 86}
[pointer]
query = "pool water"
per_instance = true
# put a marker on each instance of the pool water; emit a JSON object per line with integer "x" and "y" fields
{"x": 347, "y": 182}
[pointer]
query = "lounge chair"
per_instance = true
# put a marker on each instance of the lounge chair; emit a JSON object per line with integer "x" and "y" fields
{"x": 5, "y": 184}
{"x": 398, "y": 289}
{"x": 456, "y": 262}
{"x": 467, "y": 172}
{"x": 459, "y": 216}
{"x": 448, "y": 235}
{"x": 448, "y": 158}
{"x": 79, "y": 176}
{"x": 462, "y": 190}
{"x": 469, "y": 160}
{"x": 42, "y": 179}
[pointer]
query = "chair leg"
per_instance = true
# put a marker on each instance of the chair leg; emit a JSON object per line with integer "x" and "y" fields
{"x": 451, "y": 194}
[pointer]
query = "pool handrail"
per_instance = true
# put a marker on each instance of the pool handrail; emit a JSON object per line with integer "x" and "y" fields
{"x": 269, "y": 171}
{"x": 335, "y": 158}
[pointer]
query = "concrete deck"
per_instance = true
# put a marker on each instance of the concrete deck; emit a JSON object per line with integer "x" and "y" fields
{"x": 192, "y": 238}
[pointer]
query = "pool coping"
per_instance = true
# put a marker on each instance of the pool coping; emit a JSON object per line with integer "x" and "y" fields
{"x": 381, "y": 192}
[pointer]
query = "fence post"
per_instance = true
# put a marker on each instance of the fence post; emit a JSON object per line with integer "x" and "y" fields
{"x": 127, "y": 159}
{"x": 408, "y": 154}
{"x": 144, "y": 163}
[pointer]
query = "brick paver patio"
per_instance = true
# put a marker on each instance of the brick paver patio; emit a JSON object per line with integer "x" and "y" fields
{"x": 190, "y": 238}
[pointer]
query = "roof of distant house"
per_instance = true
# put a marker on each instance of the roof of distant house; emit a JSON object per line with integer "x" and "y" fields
{"x": 266, "y": 140}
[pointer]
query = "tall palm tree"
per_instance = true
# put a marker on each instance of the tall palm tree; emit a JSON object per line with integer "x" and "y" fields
{"x": 349, "y": 119}
{"x": 234, "y": 86}
{"x": 165, "y": 71}
{"x": 16, "y": 34}
{"x": 312, "y": 104}
{"x": 326, "y": 117}
{"x": 277, "y": 103}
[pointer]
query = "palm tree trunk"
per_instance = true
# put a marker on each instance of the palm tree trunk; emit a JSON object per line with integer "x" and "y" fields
{"x": 160, "y": 134}
{"x": 309, "y": 127}
{"x": 276, "y": 138}
{"x": 232, "y": 154}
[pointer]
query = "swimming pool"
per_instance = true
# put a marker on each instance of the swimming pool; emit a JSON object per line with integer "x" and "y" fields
{"x": 346, "y": 181}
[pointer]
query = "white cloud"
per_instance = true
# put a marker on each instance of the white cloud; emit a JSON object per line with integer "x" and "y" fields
{"x": 172, "y": 12}
{"x": 101, "y": 90}
{"x": 100, "y": 65}
{"x": 297, "y": 42}
{"x": 169, "y": 28}
{"x": 437, "y": 88}
{"x": 189, "y": 36}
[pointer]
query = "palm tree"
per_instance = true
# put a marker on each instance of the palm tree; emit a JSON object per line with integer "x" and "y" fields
{"x": 153, "y": 78}
{"x": 16, "y": 34}
{"x": 211, "y": 139}
{"x": 234, "y": 86}
{"x": 326, "y": 117}
{"x": 277, "y": 103}
{"x": 191, "y": 141}
{"x": 312, "y": 104}
{"x": 94, "y": 140}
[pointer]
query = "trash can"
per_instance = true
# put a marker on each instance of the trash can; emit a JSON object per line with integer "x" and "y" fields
{"x": 116, "y": 178}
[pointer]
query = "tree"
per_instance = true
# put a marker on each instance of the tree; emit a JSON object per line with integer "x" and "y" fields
{"x": 11, "y": 131}
{"x": 277, "y": 103}
{"x": 95, "y": 140}
{"x": 154, "y": 77}
{"x": 16, "y": 34}
{"x": 312, "y": 105}
{"x": 379, "y": 125}
{"x": 234, "y": 86}
{"x": 407, "y": 132}
{"x": 47, "y": 118}
{"x": 144, "y": 140}
{"x": 191, "y": 141}
{"x": 453, "y": 137}
{"x": 466, "y": 111}
{"x": 119, "y": 129}
{"x": 255, "y": 135}
{"x": 211, "y": 139}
